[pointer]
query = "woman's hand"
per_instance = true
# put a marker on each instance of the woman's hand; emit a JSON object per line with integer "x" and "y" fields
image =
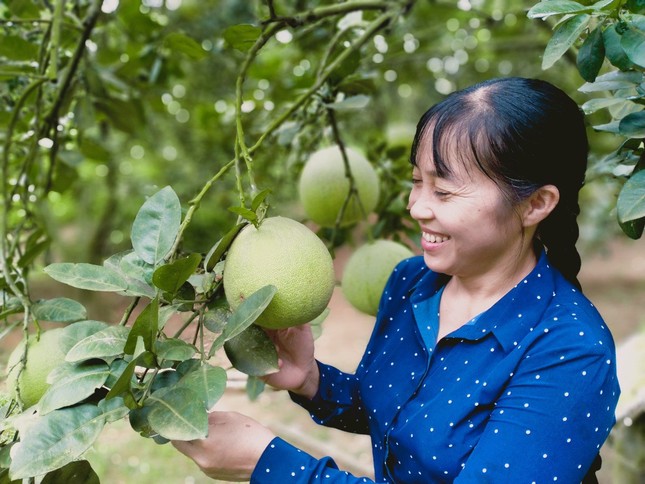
{"x": 232, "y": 449}
{"x": 298, "y": 370}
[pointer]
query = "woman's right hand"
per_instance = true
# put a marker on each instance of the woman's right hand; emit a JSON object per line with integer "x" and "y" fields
{"x": 298, "y": 370}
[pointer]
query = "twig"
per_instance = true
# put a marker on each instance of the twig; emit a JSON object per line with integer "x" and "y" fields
{"x": 128, "y": 311}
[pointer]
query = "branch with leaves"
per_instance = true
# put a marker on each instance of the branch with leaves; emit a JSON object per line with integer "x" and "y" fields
{"x": 132, "y": 367}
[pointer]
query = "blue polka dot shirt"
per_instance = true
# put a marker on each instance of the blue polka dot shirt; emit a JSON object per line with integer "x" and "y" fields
{"x": 524, "y": 393}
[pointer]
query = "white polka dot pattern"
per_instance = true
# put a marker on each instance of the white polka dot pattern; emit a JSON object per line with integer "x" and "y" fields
{"x": 512, "y": 396}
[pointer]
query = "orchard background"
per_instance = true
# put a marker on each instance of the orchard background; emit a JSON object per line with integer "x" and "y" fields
{"x": 182, "y": 120}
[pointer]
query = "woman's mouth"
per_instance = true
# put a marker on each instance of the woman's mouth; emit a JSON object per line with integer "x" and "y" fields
{"x": 435, "y": 238}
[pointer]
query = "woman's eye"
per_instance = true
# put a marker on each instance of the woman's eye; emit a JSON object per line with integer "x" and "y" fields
{"x": 440, "y": 194}
{"x": 416, "y": 181}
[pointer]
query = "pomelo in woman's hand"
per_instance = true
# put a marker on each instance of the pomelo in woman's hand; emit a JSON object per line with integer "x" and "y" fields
{"x": 288, "y": 255}
{"x": 368, "y": 270}
{"x": 43, "y": 355}
{"x": 324, "y": 186}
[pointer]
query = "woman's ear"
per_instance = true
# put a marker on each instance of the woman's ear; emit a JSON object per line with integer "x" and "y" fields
{"x": 540, "y": 204}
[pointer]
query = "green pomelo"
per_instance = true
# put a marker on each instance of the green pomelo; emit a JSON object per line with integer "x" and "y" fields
{"x": 288, "y": 255}
{"x": 323, "y": 187}
{"x": 367, "y": 272}
{"x": 400, "y": 135}
{"x": 43, "y": 356}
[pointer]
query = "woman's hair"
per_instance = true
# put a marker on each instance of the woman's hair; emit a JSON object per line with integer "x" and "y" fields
{"x": 523, "y": 134}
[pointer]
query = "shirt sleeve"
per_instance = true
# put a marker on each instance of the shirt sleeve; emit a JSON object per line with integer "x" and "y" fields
{"x": 337, "y": 403}
{"x": 282, "y": 462}
{"x": 551, "y": 420}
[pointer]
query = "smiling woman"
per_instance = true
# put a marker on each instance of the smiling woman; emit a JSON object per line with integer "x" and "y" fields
{"x": 487, "y": 363}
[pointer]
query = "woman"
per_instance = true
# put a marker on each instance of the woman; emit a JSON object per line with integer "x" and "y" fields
{"x": 487, "y": 363}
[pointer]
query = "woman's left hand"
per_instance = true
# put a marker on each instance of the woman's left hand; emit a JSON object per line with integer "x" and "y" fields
{"x": 232, "y": 449}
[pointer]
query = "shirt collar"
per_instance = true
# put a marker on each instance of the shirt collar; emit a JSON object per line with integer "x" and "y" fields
{"x": 510, "y": 318}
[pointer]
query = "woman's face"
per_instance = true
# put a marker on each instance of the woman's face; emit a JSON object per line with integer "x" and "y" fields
{"x": 468, "y": 229}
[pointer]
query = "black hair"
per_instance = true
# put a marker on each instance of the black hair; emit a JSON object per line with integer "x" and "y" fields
{"x": 523, "y": 134}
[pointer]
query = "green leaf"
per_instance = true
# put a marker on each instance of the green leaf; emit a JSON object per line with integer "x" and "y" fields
{"x": 252, "y": 352}
{"x": 633, "y": 228}
{"x": 563, "y": 38}
{"x": 72, "y": 383}
{"x": 359, "y": 101}
{"x": 51, "y": 441}
{"x": 631, "y": 199}
{"x": 113, "y": 409}
{"x": 259, "y": 198}
{"x": 135, "y": 271}
{"x": 78, "y": 331}
{"x": 633, "y": 125}
{"x": 156, "y": 226}
{"x": 16, "y": 48}
{"x": 185, "y": 45}
{"x": 215, "y": 319}
{"x": 591, "y": 55}
{"x": 59, "y": 310}
{"x": 221, "y": 246}
{"x": 316, "y": 324}
{"x": 242, "y": 37}
{"x": 138, "y": 419}
{"x": 547, "y": 8}
{"x": 79, "y": 472}
{"x": 633, "y": 43}
{"x": 613, "y": 81}
{"x": 185, "y": 298}
{"x": 123, "y": 385}
{"x": 104, "y": 344}
{"x": 94, "y": 149}
{"x": 163, "y": 380}
{"x": 602, "y": 4}
{"x": 170, "y": 277}
{"x": 146, "y": 326}
{"x": 32, "y": 252}
{"x": 126, "y": 115}
{"x": 178, "y": 414}
{"x": 254, "y": 387}
{"x": 117, "y": 367}
{"x": 245, "y": 213}
{"x": 86, "y": 276}
{"x": 174, "y": 349}
{"x": 187, "y": 366}
{"x": 637, "y": 6}
{"x": 613, "y": 49}
{"x": 594, "y": 105}
{"x": 23, "y": 8}
{"x": 209, "y": 382}
{"x": 245, "y": 315}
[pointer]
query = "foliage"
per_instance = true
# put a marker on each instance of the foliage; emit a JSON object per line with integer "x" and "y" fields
{"x": 611, "y": 31}
{"x": 114, "y": 111}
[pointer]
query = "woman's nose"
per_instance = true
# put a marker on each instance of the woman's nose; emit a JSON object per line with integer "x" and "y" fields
{"x": 419, "y": 207}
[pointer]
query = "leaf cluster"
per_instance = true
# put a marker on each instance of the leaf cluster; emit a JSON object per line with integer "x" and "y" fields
{"x": 610, "y": 39}
{"x": 163, "y": 384}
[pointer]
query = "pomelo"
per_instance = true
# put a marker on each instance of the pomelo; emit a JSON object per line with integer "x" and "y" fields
{"x": 323, "y": 187}
{"x": 288, "y": 255}
{"x": 399, "y": 137}
{"x": 43, "y": 355}
{"x": 368, "y": 270}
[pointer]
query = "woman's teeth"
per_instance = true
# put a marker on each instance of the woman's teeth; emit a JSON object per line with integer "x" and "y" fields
{"x": 434, "y": 239}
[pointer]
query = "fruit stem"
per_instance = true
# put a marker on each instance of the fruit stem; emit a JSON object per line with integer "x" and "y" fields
{"x": 352, "y": 191}
{"x": 196, "y": 201}
{"x": 186, "y": 324}
{"x": 267, "y": 34}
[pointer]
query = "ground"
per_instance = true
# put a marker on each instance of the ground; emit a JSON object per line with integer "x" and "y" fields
{"x": 612, "y": 279}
